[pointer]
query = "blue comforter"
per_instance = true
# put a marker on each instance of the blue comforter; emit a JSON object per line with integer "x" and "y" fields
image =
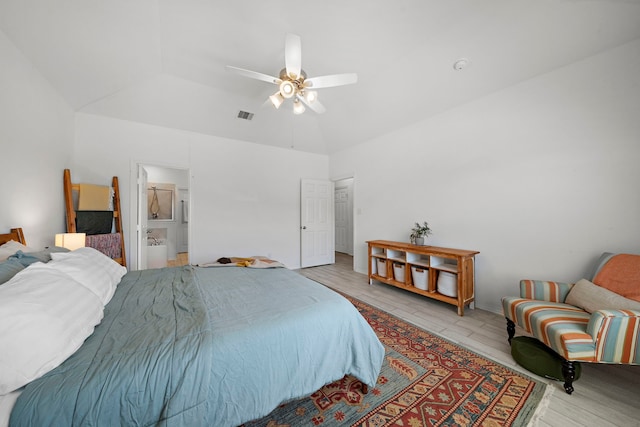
{"x": 190, "y": 346}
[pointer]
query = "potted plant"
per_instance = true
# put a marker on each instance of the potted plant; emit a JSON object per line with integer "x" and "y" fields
{"x": 419, "y": 233}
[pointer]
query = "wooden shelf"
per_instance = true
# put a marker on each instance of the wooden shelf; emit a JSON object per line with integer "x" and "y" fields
{"x": 451, "y": 268}
{"x": 430, "y": 259}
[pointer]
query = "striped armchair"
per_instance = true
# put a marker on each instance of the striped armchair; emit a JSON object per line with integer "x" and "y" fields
{"x": 597, "y": 332}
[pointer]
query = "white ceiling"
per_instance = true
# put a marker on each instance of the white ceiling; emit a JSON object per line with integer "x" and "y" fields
{"x": 162, "y": 61}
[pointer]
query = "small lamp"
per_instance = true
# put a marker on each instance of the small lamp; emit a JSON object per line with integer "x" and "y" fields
{"x": 298, "y": 107}
{"x": 310, "y": 96}
{"x": 276, "y": 99}
{"x": 287, "y": 89}
{"x": 71, "y": 241}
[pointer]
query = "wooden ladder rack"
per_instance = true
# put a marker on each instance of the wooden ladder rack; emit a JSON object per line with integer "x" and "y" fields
{"x": 69, "y": 188}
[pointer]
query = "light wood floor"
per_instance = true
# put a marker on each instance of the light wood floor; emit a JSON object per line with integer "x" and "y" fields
{"x": 182, "y": 258}
{"x": 605, "y": 395}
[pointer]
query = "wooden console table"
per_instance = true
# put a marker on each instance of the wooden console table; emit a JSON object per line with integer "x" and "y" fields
{"x": 398, "y": 263}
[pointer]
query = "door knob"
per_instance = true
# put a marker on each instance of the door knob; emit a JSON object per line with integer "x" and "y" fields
{"x": 304, "y": 227}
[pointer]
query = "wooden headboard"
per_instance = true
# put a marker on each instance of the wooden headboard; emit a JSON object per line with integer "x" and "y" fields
{"x": 15, "y": 234}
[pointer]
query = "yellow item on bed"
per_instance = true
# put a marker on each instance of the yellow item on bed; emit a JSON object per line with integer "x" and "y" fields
{"x": 94, "y": 197}
{"x": 251, "y": 262}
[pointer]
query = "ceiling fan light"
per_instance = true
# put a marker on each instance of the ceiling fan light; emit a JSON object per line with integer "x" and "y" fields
{"x": 287, "y": 89}
{"x": 298, "y": 107}
{"x": 276, "y": 99}
{"x": 310, "y": 96}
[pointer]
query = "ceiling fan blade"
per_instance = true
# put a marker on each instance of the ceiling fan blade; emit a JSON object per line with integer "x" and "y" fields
{"x": 331, "y": 80}
{"x": 315, "y": 105}
{"x": 254, "y": 75}
{"x": 293, "y": 55}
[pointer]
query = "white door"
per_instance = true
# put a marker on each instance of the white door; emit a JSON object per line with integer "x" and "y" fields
{"x": 142, "y": 227}
{"x": 341, "y": 201}
{"x": 316, "y": 223}
{"x": 183, "y": 218}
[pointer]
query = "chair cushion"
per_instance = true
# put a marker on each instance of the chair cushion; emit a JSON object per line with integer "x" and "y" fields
{"x": 536, "y": 357}
{"x": 560, "y": 326}
{"x": 591, "y": 297}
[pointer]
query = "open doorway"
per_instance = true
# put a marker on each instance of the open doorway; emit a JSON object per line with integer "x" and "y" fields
{"x": 344, "y": 221}
{"x": 163, "y": 216}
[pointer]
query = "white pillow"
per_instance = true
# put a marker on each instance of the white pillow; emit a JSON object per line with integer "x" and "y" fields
{"x": 11, "y": 247}
{"x": 45, "y": 316}
{"x": 591, "y": 297}
{"x": 92, "y": 269}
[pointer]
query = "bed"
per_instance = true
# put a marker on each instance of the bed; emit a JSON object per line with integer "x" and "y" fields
{"x": 187, "y": 346}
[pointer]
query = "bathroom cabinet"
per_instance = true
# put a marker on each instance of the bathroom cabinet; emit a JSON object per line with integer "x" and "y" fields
{"x": 156, "y": 256}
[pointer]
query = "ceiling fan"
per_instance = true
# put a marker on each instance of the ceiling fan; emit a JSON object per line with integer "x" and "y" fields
{"x": 293, "y": 82}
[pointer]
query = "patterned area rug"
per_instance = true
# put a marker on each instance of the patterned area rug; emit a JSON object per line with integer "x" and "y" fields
{"x": 425, "y": 381}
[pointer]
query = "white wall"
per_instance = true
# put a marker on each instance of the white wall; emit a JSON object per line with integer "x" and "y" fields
{"x": 36, "y": 136}
{"x": 540, "y": 178}
{"x": 245, "y": 198}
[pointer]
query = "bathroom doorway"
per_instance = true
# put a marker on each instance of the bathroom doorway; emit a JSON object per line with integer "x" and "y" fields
{"x": 163, "y": 217}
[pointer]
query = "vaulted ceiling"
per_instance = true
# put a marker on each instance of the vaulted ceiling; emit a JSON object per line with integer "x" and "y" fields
{"x": 162, "y": 62}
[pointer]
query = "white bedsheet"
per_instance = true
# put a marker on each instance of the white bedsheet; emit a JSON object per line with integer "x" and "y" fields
{"x": 6, "y": 405}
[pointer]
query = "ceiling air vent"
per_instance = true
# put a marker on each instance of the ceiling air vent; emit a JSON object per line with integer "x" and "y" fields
{"x": 245, "y": 115}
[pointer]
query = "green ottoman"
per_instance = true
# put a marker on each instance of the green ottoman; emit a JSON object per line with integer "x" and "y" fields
{"x": 536, "y": 357}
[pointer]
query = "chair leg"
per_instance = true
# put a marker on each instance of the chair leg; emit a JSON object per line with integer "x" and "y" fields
{"x": 511, "y": 329}
{"x": 569, "y": 374}
{"x": 568, "y": 367}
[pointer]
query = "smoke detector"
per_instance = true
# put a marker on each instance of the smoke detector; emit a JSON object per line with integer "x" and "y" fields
{"x": 461, "y": 64}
